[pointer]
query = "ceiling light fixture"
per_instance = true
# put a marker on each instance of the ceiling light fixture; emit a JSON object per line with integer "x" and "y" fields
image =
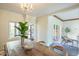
{"x": 26, "y": 7}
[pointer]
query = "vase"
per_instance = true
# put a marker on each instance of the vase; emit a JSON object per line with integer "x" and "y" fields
{"x": 22, "y": 42}
{"x": 28, "y": 44}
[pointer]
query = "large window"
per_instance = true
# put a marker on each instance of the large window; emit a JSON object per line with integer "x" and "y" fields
{"x": 12, "y": 30}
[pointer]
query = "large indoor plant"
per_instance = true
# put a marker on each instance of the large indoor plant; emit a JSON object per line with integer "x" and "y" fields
{"x": 23, "y": 28}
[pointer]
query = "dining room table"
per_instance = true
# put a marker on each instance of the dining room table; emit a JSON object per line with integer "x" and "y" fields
{"x": 14, "y": 48}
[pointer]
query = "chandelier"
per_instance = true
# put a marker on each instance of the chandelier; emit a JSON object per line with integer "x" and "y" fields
{"x": 26, "y": 7}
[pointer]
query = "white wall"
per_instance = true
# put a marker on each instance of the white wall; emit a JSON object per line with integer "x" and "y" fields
{"x": 42, "y": 23}
{"x": 5, "y": 18}
{"x": 74, "y": 28}
{"x": 45, "y": 28}
{"x": 51, "y": 32}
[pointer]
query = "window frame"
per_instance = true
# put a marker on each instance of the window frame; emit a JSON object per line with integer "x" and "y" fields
{"x": 9, "y": 29}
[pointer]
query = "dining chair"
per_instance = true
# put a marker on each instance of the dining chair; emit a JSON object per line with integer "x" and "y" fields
{"x": 60, "y": 50}
{"x": 42, "y": 43}
{"x": 2, "y": 53}
{"x": 67, "y": 40}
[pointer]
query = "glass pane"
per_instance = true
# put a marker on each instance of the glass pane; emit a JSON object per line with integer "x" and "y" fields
{"x": 11, "y": 30}
{"x": 17, "y": 32}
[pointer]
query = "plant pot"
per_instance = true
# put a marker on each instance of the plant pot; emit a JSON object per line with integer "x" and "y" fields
{"x": 22, "y": 42}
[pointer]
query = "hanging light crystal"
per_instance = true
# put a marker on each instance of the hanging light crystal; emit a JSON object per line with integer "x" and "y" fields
{"x": 26, "y": 7}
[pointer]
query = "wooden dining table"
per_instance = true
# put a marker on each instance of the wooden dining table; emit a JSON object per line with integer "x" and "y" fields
{"x": 14, "y": 48}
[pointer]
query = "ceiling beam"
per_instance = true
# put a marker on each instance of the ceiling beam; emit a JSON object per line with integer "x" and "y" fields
{"x": 58, "y": 18}
{"x": 71, "y": 19}
{"x": 63, "y": 20}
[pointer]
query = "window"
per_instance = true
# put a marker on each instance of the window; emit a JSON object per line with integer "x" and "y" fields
{"x": 12, "y": 30}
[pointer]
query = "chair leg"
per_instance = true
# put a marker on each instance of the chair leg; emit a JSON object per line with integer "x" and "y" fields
{"x": 72, "y": 43}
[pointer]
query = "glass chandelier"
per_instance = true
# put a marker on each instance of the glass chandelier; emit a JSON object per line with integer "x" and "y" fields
{"x": 26, "y": 7}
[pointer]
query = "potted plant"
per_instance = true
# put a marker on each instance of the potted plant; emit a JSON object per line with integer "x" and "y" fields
{"x": 23, "y": 28}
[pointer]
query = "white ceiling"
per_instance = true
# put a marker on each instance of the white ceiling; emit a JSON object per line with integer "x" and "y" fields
{"x": 70, "y": 14}
{"x": 62, "y": 10}
{"x": 16, "y": 7}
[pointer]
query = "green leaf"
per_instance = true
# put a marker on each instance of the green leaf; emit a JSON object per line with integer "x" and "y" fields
{"x": 23, "y": 28}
